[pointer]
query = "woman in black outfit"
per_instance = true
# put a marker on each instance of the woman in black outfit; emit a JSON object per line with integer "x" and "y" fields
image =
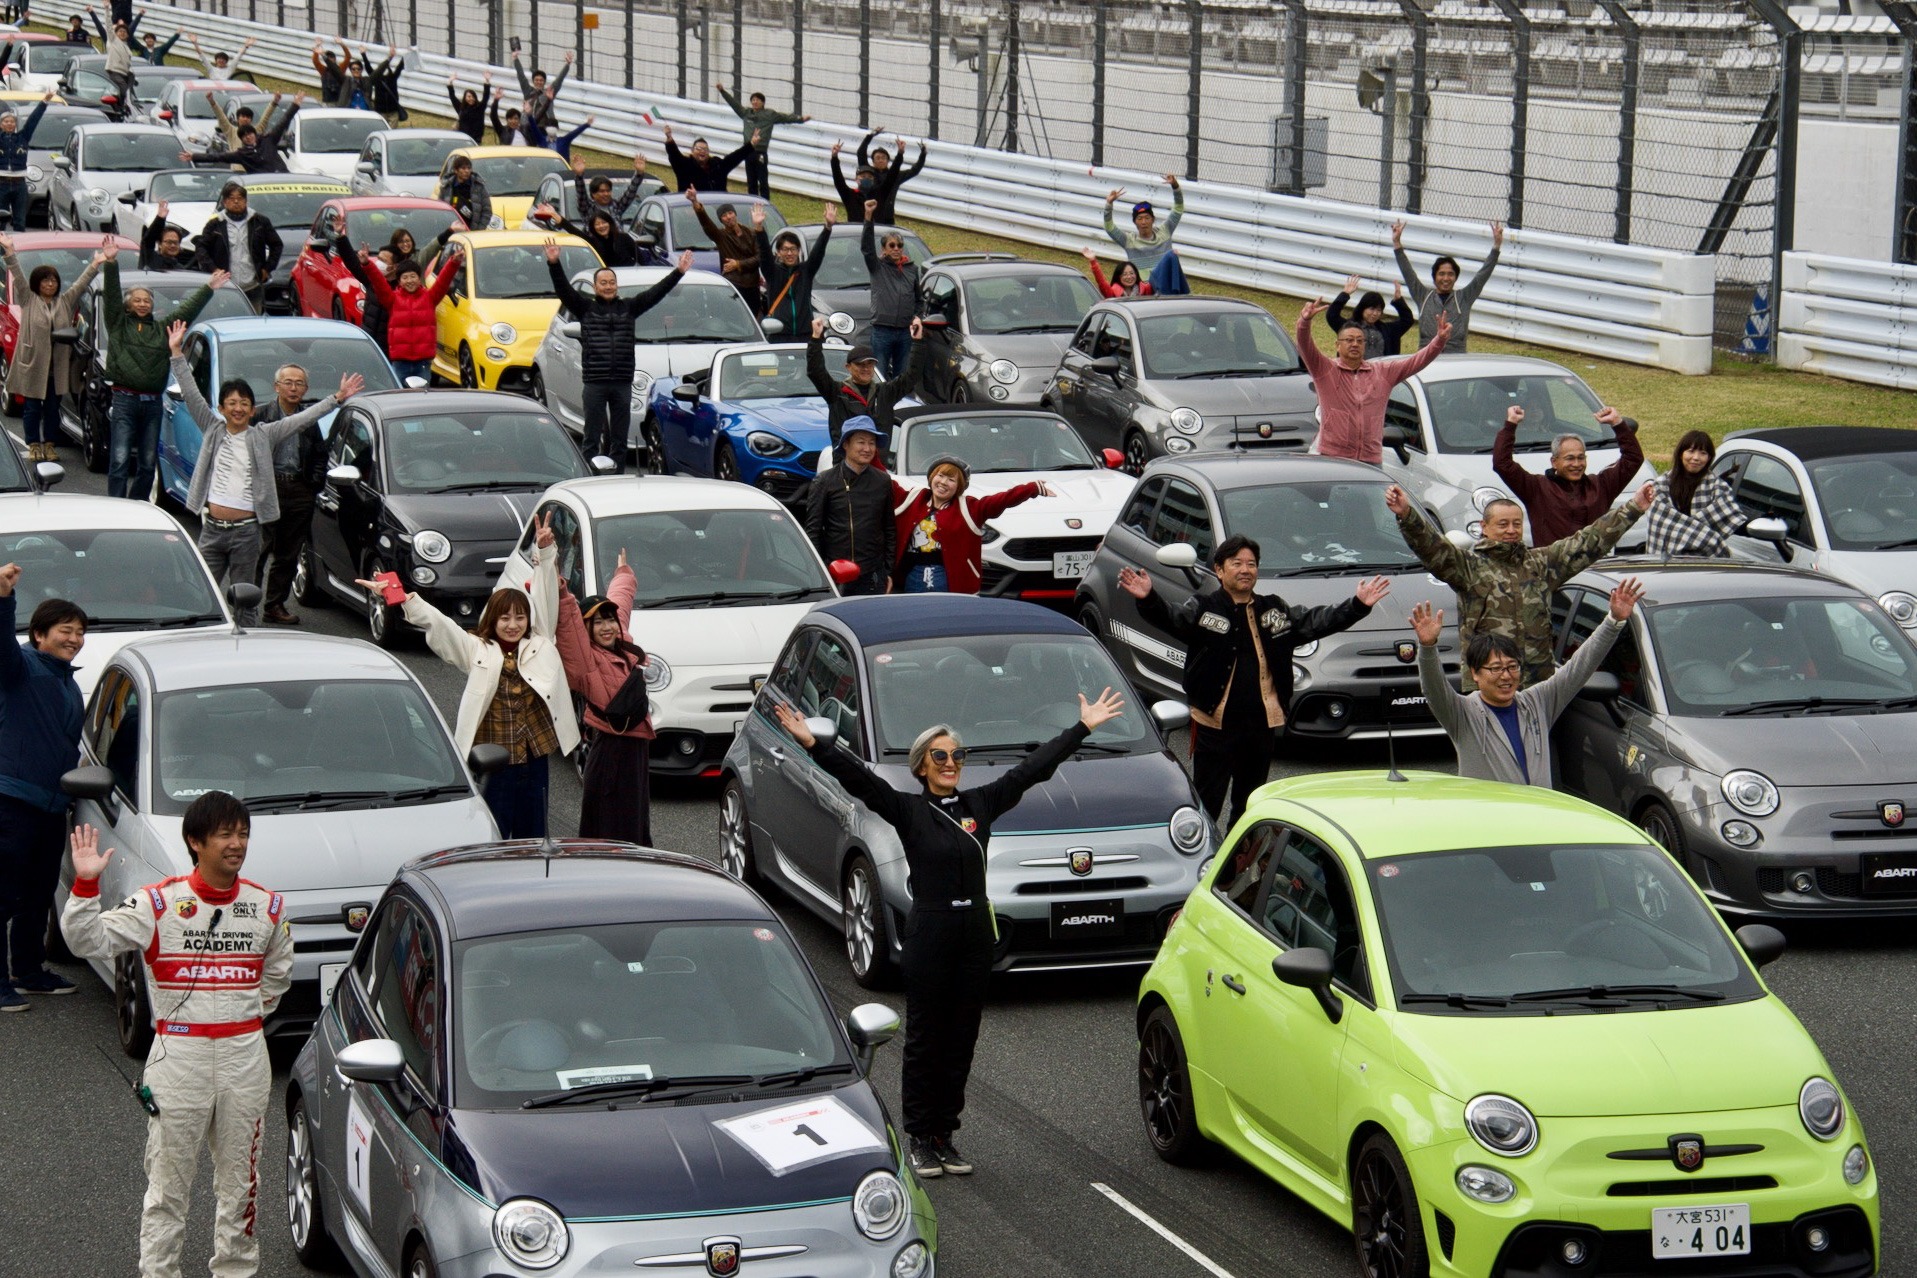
{"x": 469, "y": 108}
{"x": 1382, "y": 336}
{"x": 951, "y": 932}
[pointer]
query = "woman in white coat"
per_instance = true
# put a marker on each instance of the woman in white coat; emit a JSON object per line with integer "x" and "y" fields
{"x": 516, "y": 694}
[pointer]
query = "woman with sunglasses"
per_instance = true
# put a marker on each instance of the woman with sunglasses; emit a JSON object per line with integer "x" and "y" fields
{"x": 951, "y": 932}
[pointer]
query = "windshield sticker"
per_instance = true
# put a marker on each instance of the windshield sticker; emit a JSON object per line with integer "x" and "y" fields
{"x": 1537, "y": 887}
{"x": 589, "y": 1077}
{"x": 790, "y": 1137}
{"x": 762, "y": 934}
{"x": 1387, "y": 871}
{"x": 884, "y": 659}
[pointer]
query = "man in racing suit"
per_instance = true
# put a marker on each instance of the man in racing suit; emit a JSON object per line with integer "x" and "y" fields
{"x": 218, "y": 958}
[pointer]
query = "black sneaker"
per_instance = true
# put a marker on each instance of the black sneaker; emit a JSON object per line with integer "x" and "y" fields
{"x": 949, "y": 1157}
{"x": 13, "y": 1001}
{"x": 923, "y": 1153}
{"x": 44, "y": 982}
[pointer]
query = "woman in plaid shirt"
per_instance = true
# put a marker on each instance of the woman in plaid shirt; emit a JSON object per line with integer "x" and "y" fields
{"x": 1693, "y": 511}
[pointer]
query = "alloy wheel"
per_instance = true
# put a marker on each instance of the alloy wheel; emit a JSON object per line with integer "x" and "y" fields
{"x": 302, "y": 1180}
{"x": 724, "y": 464}
{"x": 132, "y": 1014}
{"x": 1164, "y": 1090}
{"x": 859, "y": 902}
{"x": 655, "y": 446}
{"x": 1137, "y": 453}
{"x": 735, "y": 834}
{"x": 1384, "y": 1215}
{"x": 468, "y": 371}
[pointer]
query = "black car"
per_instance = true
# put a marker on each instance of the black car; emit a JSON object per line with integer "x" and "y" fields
{"x": 432, "y": 485}
{"x": 843, "y": 285}
{"x": 85, "y": 83}
{"x": 1321, "y": 528}
{"x": 83, "y": 413}
{"x": 18, "y": 475}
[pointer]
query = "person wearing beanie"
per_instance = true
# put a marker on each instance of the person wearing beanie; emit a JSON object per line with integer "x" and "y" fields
{"x": 848, "y": 512}
{"x": 1382, "y": 336}
{"x": 941, "y": 531}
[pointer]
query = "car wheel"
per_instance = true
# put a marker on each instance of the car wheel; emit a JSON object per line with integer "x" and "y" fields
{"x": 1385, "y": 1219}
{"x": 655, "y": 446}
{"x": 421, "y": 1265}
{"x": 1660, "y": 823}
{"x": 537, "y": 388}
{"x": 724, "y": 464}
{"x": 735, "y": 834}
{"x": 307, "y": 591}
{"x": 131, "y": 1012}
{"x": 339, "y": 312}
{"x": 1093, "y": 620}
{"x": 1137, "y": 452}
{"x": 382, "y": 620}
{"x": 1164, "y": 1092}
{"x": 96, "y": 429}
{"x": 961, "y": 391}
{"x": 866, "y": 947}
{"x": 305, "y": 1219}
{"x": 468, "y": 371}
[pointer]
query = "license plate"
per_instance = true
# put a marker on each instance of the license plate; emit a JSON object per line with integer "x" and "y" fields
{"x": 1087, "y": 920}
{"x": 1072, "y": 564}
{"x": 1889, "y": 873}
{"x": 1684, "y": 1233}
{"x": 329, "y": 977}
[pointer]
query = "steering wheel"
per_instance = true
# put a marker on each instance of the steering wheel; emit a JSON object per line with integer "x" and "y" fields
{"x": 420, "y": 470}
{"x": 1585, "y": 932}
{"x": 483, "y": 1056}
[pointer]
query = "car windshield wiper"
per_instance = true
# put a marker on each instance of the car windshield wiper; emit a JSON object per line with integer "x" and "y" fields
{"x": 707, "y": 599}
{"x": 310, "y": 799}
{"x": 1254, "y": 372}
{"x": 1099, "y": 747}
{"x": 1000, "y": 747}
{"x": 1789, "y": 704}
{"x": 1461, "y": 1001}
{"x": 1323, "y": 570}
{"x": 1905, "y": 544}
{"x": 425, "y": 792}
{"x": 805, "y": 1074}
{"x": 152, "y": 623}
{"x": 481, "y": 485}
{"x": 1579, "y": 993}
{"x": 648, "y": 1088}
{"x": 797, "y": 592}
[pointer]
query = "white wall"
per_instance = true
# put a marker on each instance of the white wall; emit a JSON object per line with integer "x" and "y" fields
{"x": 1846, "y": 188}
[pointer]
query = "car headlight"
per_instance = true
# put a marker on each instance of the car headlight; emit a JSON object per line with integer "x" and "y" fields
{"x": 1856, "y": 1165}
{"x": 1004, "y": 370}
{"x": 1502, "y": 1125}
{"x": 1486, "y": 1184}
{"x": 1187, "y": 420}
{"x": 503, "y": 333}
{"x": 1187, "y": 828}
{"x": 1900, "y": 607}
{"x": 641, "y": 389}
{"x": 497, "y": 224}
{"x": 496, "y": 354}
{"x": 1482, "y": 497}
{"x": 1750, "y": 792}
{"x": 763, "y": 443}
{"x": 658, "y": 673}
{"x": 432, "y": 546}
{"x": 1308, "y": 649}
{"x": 1177, "y": 444}
{"x": 1821, "y": 1107}
{"x": 841, "y": 323}
{"x": 879, "y": 1206}
{"x": 98, "y": 196}
{"x": 913, "y": 1261}
{"x": 35, "y": 173}
{"x": 531, "y": 1234}
{"x": 990, "y": 535}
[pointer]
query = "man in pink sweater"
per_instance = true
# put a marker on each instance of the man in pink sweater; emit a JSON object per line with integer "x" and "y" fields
{"x": 1352, "y": 390}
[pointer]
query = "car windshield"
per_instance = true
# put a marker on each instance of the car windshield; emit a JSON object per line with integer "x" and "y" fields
{"x": 336, "y": 134}
{"x": 462, "y": 452}
{"x": 692, "y": 312}
{"x": 49, "y": 57}
{"x": 68, "y": 261}
{"x": 185, "y": 186}
{"x": 54, "y": 127}
{"x": 1231, "y": 343}
{"x": 374, "y": 227}
{"x": 13, "y": 477}
{"x": 1318, "y": 528}
{"x": 294, "y": 204}
{"x": 773, "y": 374}
{"x": 1039, "y": 302}
{"x": 844, "y": 263}
{"x": 516, "y": 174}
{"x": 169, "y": 290}
{"x": 1467, "y": 414}
{"x": 1000, "y": 693}
{"x": 314, "y": 745}
{"x": 695, "y": 999}
{"x": 1780, "y": 656}
{"x": 325, "y": 359}
{"x": 1870, "y": 502}
{"x": 419, "y": 157}
{"x": 519, "y": 270}
{"x": 1535, "y": 930}
{"x": 994, "y": 442}
{"x": 125, "y": 578}
{"x": 700, "y": 558}
{"x": 688, "y": 234}
{"x": 129, "y": 152}
{"x": 194, "y": 106}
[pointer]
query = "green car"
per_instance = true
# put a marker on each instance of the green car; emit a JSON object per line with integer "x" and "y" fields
{"x": 1498, "y": 1032}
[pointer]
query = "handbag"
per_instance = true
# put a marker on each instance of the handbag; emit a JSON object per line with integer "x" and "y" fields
{"x": 631, "y": 705}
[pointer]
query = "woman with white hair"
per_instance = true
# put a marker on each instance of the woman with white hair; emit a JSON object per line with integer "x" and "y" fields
{"x": 951, "y": 933}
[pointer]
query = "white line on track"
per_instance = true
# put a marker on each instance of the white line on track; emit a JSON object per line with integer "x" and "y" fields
{"x": 1206, "y": 1262}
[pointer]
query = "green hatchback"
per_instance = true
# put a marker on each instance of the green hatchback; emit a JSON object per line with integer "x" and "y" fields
{"x": 1498, "y": 1032}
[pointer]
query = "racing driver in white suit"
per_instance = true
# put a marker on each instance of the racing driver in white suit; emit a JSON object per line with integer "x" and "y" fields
{"x": 218, "y": 958}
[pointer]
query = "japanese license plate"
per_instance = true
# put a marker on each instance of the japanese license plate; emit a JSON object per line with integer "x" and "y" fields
{"x": 1072, "y": 564}
{"x": 1889, "y": 873}
{"x": 1684, "y": 1233}
{"x": 1087, "y": 920}
{"x": 329, "y": 977}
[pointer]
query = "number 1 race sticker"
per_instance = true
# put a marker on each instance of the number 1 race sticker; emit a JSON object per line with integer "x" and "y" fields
{"x": 359, "y": 1149}
{"x": 799, "y": 1135}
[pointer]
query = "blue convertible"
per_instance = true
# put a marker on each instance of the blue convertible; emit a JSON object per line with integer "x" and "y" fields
{"x": 753, "y": 415}
{"x": 254, "y": 347}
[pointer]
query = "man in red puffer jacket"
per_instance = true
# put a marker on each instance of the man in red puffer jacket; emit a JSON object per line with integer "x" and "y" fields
{"x": 941, "y": 530}
{"x": 412, "y": 333}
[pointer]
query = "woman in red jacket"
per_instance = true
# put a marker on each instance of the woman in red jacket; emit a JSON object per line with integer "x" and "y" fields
{"x": 941, "y": 530}
{"x": 599, "y": 659}
{"x": 412, "y": 333}
{"x": 1125, "y": 281}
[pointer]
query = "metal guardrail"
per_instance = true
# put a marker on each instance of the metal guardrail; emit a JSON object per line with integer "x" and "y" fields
{"x": 1624, "y": 302}
{"x": 1850, "y": 318}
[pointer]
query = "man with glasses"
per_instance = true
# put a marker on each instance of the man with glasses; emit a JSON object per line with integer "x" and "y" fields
{"x": 1502, "y": 732}
{"x": 1566, "y": 497}
{"x": 242, "y": 243}
{"x": 299, "y": 470}
{"x": 136, "y": 370}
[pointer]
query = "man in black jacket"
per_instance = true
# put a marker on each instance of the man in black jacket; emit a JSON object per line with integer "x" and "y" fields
{"x": 1238, "y": 647}
{"x": 862, "y": 394}
{"x": 606, "y": 364}
{"x": 877, "y": 178}
{"x": 242, "y": 243}
{"x": 299, "y": 472}
{"x": 788, "y": 279}
{"x": 698, "y": 170}
{"x": 848, "y": 512}
{"x": 160, "y": 248}
{"x": 257, "y": 152}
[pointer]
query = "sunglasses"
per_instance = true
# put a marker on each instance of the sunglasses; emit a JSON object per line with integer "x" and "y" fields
{"x": 949, "y": 756}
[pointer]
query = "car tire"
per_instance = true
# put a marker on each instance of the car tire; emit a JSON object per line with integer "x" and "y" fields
{"x": 468, "y": 371}
{"x": 537, "y": 387}
{"x": 961, "y": 392}
{"x": 735, "y": 834}
{"x": 1093, "y": 620}
{"x": 655, "y": 446}
{"x": 305, "y": 1217}
{"x": 96, "y": 428}
{"x": 339, "y": 312}
{"x": 1138, "y": 452}
{"x": 1386, "y": 1222}
{"x": 307, "y": 576}
{"x": 383, "y": 621}
{"x": 724, "y": 464}
{"x": 1658, "y": 821}
{"x": 420, "y": 1263}
{"x": 1164, "y": 1093}
{"x": 868, "y": 950}
{"x": 132, "y": 1012}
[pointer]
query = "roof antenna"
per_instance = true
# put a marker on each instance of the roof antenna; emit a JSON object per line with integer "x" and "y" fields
{"x": 1391, "y": 753}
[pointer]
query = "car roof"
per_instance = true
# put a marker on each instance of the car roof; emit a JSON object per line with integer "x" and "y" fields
{"x": 1437, "y": 812}
{"x": 389, "y": 134}
{"x": 415, "y": 400}
{"x": 1242, "y": 468}
{"x": 1177, "y": 303}
{"x": 248, "y": 327}
{"x": 105, "y": 127}
{"x": 516, "y": 239}
{"x": 1456, "y": 368}
{"x": 220, "y": 658}
{"x": 51, "y": 512}
{"x": 712, "y": 198}
{"x": 530, "y": 885}
{"x": 1815, "y": 442}
{"x": 998, "y": 266}
{"x": 338, "y": 113}
{"x": 27, "y": 241}
{"x": 892, "y": 618}
{"x": 196, "y": 84}
{"x": 607, "y": 496}
{"x": 354, "y": 203}
{"x": 1696, "y": 580}
{"x": 251, "y": 180}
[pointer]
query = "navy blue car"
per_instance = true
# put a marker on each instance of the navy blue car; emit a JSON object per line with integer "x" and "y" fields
{"x": 753, "y": 415}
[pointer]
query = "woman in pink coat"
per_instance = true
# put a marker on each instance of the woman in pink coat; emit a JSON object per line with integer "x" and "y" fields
{"x": 599, "y": 661}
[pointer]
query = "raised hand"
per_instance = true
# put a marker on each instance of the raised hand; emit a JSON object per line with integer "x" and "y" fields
{"x": 1313, "y": 309}
{"x": 1513, "y": 416}
{"x": 667, "y": 130}
{"x": 1427, "y": 623}
{"x": 1626, "y": 597}
{"x": 1046, "y": 490}
{"x": 622, "y": 558}
{"x": 108, "y": 250}
{"x": 916, "y": 328}
{"x": 219, "y": 280}
{"x": 1645, "y": 496}
{"x": 1609, "y": 416}
{"x": 1497, "y": 235}
{"x": 552, "y": 249}
{"x": 1351, "y": 283}
{"x": 89, "y": 859}
{"x": 1095, "y": 714}
{"x": 818, "y": 329}
{"x": 794, "y": 725}
{"x": 1117, "y": 194}
{"x": 1133, "y": 582}
{"x": 692, "y": 198}
{"x": 349, "y": 385}
{"x": 835, "y": 149}
{"x": 1395, "y": 500}
{"x": 1397, "y": 292}
{"x": 365, "y": 255}
{"x": 871, "y": 207}
{"x": 758, "y": 217}
{"x": 9, "y": 574}
{"x": 1371, "y": 590}
{"x": 175, "y": 336}
{"x": 831, "y": 215}
{"x": 579, "y": 165}
{"x": 543, "y": 535}
{"x": 685, "y": 262}
{"x": 1088, "y": 254}
{"x": 1444, "y": 327}
{"x": 374, "y": 588}
{"x": 1397, "y": 234}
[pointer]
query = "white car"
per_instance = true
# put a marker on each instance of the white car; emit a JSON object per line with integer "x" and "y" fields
{"x": 128, "y": 563}
{"x": 724, "y": 574}
{"x": 190, "y": 196}
{"x": 182, "y": 107}
{"x": 39, "y": 63}
{"x": 328, "y": 140}
{"x": 678, "y": 336}
{"x": 404, "y": 161}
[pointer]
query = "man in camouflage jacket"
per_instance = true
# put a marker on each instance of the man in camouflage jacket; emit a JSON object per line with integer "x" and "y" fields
{"x": 1504, "y": 587}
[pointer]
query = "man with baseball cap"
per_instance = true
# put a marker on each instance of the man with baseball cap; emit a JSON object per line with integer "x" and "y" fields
{"x": 848, "y": 513}
{"x": 861, "y": 393}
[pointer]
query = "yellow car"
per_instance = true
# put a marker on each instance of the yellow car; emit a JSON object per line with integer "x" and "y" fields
{"x": 17, "y": 97}
{"x": 500, "y": 304}
{"x": 511, "y": 175}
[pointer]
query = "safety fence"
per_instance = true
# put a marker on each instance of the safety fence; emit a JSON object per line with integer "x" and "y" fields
{"x": 1849, "y": 318}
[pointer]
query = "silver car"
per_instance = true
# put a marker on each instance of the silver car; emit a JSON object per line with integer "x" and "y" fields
{"x": 49, "y": 138}
{"x": 1087, "y": 870}
{"x": 336, "y": 749}
{"x": 404, "y": 161}
{"x": 100, "y": 163}
{"x": 997, "y": 325}
{"x": 1760, "y": 722}
{"x": 577, "y": 1058}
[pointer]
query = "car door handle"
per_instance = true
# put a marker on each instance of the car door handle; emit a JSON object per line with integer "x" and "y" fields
{"x": 1233, "y": 984}
{"x": 326, "y": 501}
{"x": 776, "y": 753}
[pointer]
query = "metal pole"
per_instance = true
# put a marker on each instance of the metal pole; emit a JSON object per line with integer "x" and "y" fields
{"x": 1295, "y": 90}
{"x": 579, "y": 37}
{"x": 705, "y": 52}
{"x": 1194, "y": 84}
{"x": 631, "y": 48}
{"x": 532, "y": 36}
{"x": 1100, "y": 14}
{"x": 492, "y": 30}
{"x": 938, "y": 61}
{"x": 738, "y": 49}
{"x": 1388, "y": 152}
{"x": 984, "y": 74}
{"x": 798, "y": 55}
{"x": 1420, "y": 103}
{"x": 684, "y": 24}
{"x": 865, "y": 60}
{"x": 1627, "y": 116}
{"x": 1011, "y": 74}
{"x": 1903, "y": 231}
{"x": 1520, "y": 103}
{"x": 1790, "y": 39}
{"x": 412, "y": 20}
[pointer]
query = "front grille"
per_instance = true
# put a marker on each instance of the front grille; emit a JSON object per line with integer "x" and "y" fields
{"x": 1777, "y": 1251}
{"x": 1689, "y": 1185}
{"x": 1835, "y": 882}
{"x": 1910, "y": 833}
{"x": 1447, "y": 1233}
{"x": 1772, "y": 880}
{"x": 323, "y": 947}
{"x": 1396, "y": 670}
{"x": 731, "y": 707}
{"x": 1046, "y": 547}
{"x": 783, "y": 485}
{"x": 1034, "y": 937}
{"x": 1082, "y": 887}
{"x": 810, "y": 461}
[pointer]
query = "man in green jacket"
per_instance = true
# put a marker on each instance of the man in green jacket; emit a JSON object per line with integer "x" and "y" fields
{"x": 755, "y": 125}
{"x": 136, "y": 370}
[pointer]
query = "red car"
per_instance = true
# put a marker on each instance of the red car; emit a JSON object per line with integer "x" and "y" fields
{"x": 67, "y": 252}
{"x": 322, "y": 287}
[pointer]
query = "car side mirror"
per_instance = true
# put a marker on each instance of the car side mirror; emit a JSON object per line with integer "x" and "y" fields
{"x": 244, "y": 594}
{"x": 772, "y": 327}
{"x": 1774, "y": 530}
{"x": 1398, "y": 440}
{"x": 842, "y": 571}
{"x": 870, "y": 1026}
{"x": 1310, "y": 969}
{"x": 1106, "y": 364}
{"x": 824, "y": 731}
{"x": 1170, "y": 716}
{"x": 163, "y": 114}
{"x": 129, "y": 198}
{"x": 685, "y": 393}
{"x": 484, "y": 760}
{"x": 63, "y": 163}
{"x": 1113, "y": 459}
{"x": 91, "y": 782}
{"x": 1180, "y": 554}
{"x": 50, "y": 473}
{"x": 366, "y": 168}
{"x": 1601, "y": 686}
{"x": 343, "y": 475}
{"x": 645, "y": 239}
{"x": 371, "y": 1060}
{"x": 603, "y": 465}
{"x": 417, "y": 383}
{"x": 569, "y": 328}
{"x": 1762, "y": 942}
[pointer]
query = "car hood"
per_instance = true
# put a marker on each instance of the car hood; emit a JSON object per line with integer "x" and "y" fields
{"x": 356, "y": 848}
{"x": 650, "y": 1160}
{"x": 736, "y": 636}
{"x": 1800, "y": 750}
{"x": 854, "y": 301}
{"x": 1687, "y": 1060}
{"x": 800, "y": 418}
{"x": 668, "y": 362}
{"x": 1093, "y": 497}
{"x": 1032, "y": 352}
{"x": 337, "y": 164}
{"x": 1233, "y": 396}
{"x": 487, "y": 516}
{"x": 1091, "y": 792}
{"x": 1872, "y": 571}
{"x": 527, "y": 314}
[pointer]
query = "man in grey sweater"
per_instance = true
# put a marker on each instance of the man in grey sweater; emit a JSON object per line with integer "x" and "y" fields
{"x": 1502, "y": 732}
{"x": 1443, "y": 296}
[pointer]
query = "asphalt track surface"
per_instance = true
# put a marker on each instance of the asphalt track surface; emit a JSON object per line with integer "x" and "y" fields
{"x": 1066, "y": 1183}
